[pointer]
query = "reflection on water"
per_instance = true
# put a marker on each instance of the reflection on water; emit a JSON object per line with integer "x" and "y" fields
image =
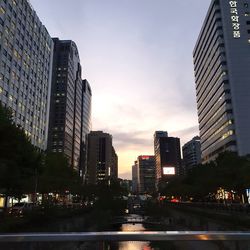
{"x": 132, "y": 227}
{"x": 132, "y": 245}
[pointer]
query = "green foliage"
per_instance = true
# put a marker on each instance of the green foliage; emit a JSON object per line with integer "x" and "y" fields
{"x": 110, "y": 198}
{"x": 57, "y": 176}
{"x": 23, "y": 169}
{"x": 18, "y": 158}
{"x": 228, "y": 171}
{"x": 107, "y": 197}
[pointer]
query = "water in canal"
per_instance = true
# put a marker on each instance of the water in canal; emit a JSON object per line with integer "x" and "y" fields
{"x": 133, "y": 245}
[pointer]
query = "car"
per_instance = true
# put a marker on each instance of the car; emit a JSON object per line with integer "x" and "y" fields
{"x": 175, "y": 201}
{"x": 20, "y": 208}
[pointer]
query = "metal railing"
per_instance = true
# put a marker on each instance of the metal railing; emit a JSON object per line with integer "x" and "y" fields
{"x": 127, "y": 236}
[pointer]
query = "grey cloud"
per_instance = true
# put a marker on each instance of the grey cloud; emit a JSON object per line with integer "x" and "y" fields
{"x": 186, "y": 134}
{"x": 132, "y": 139}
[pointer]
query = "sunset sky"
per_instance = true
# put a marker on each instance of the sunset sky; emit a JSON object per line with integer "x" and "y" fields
{"x": 137, "y": 56}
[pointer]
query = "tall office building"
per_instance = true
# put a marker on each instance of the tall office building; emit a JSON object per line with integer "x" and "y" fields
{"x": 70, "y": 104}
{"x": 222, "y": 76}
{"x": 146, "y": 173}
{"x": 191, "y": 152}
{"x": 100, "y": 158}
{"x": 167, "y": 156}
{"x": 158, "y": 159}
{"x": 26, "y": 50}
{"x": 85, "y": 125}
{"x": 135, "y": 178}
{"x": 114, "y": 166}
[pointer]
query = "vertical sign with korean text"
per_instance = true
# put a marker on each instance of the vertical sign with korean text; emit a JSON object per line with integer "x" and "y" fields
{"x": 235, "y": 18}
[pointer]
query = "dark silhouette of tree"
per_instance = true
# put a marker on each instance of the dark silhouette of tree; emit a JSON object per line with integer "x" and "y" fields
{"x": 57, "y": 176}
{"x": 228, "y": 171}
{"x": 19, "y": 159}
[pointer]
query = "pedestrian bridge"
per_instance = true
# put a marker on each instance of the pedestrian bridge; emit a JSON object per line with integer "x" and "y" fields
{"x": 135, "y": 220}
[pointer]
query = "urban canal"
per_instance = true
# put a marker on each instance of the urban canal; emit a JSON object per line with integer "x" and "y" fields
{"x": 133, "y": 226}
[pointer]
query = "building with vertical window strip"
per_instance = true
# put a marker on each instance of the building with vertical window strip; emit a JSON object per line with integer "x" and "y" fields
{"x": 86, "y": 125}
{"x": 135, "y": 178}
{"x": 70, "y": 109}
{"x": 101, "y": 158}
{"x": 146, "y": 173}
{"x": 26, "y": 50}
{"x": 222, "y": 76}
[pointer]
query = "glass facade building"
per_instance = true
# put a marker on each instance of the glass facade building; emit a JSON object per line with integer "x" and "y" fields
{"x": 135, "y": 178}
{"x": 114, "y": 166}
{"x": 26, "y": 50}
{"x": 191, "y": 152}
{"x": 222, "y": 76}
{"x": 86, "y": 125}
{"x": 70, "y": 111}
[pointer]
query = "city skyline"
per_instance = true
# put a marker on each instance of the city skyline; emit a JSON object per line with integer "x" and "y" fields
{"x": 132, "y": 54}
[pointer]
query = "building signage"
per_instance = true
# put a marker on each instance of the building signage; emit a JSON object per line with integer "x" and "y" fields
{"x": 168, "y": 170}
{"x": 145, "y": 157}
{"x": 235, "y": 18}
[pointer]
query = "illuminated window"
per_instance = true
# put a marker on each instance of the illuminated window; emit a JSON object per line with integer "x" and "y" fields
{"x": 227, "y": 134}
{"x": 1, "y": 90}
{"x": 2, "y": 10}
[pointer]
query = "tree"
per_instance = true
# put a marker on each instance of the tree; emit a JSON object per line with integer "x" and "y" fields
{"x": 19, "y": 159}
{"x": 228, "y": 171}
{"x": 57, "y": 176}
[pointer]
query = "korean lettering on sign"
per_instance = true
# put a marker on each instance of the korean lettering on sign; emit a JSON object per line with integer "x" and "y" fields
{"x": 235, "y": 18}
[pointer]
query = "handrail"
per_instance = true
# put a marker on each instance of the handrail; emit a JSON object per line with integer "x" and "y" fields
{"x": 128, "y": 236}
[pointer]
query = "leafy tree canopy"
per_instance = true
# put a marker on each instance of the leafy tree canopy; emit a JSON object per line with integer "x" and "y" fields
{"x": 229, "y": 171}
{"x": 18, "y": 157}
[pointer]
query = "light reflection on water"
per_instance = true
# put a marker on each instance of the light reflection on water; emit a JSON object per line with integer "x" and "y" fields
{"x": 132, "y": 245}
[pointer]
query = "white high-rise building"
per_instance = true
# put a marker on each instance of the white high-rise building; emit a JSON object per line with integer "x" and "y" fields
{"x": 222, "y": 76}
